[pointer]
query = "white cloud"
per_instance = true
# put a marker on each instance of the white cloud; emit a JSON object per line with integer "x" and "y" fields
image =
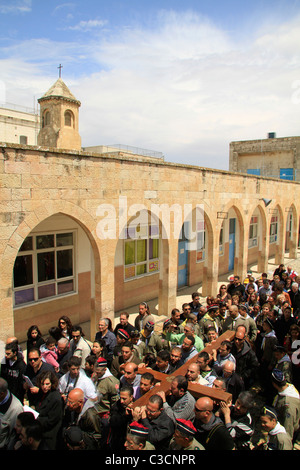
{"x": 15, "y": 6}
{"x": 185, "y": 87}
{"x": 88, "y": 25}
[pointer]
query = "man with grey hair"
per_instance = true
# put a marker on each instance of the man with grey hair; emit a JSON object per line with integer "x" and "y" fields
{"x": 64, "y": 354}
{"x": 295, "y": 298}
{"x": 234, "y": 382}
{"x": 109, "y": 338}
{"x": 10, "y": 408}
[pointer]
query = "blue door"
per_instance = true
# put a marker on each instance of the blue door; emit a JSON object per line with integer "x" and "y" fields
{"x": 183, "y": 257}
{"x": 231, "y": 244}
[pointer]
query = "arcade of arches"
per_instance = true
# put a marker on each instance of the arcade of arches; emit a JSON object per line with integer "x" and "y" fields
{"x": 88, "y": 235}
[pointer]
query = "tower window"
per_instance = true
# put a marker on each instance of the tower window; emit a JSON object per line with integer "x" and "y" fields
{"x": 69, "y": 119}
{"x": 46, "y": 119}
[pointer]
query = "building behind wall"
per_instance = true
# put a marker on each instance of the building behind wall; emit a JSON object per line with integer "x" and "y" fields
{"x": 272, "y": 157}
{"x": 18, "y": 125}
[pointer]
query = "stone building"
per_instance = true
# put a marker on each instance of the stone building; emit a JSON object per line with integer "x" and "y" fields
{"x": 88, "y": 234}
{"x": 272, "y": 157}
{"x": 18, "y": 125}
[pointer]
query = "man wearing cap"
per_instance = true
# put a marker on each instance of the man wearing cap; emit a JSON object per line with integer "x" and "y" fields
{"x": 136, "y": 438}
{"x": 277, "y": 438}
{"x": 152, "y": 340}
{"x": 73, "y": 438}
{"x": 283, "y": 362}
{"x": 107, "y": 387}
{"x": 184, "y": 437}
{"x": 122, "y": 336}
{"x": 286, "y": 402}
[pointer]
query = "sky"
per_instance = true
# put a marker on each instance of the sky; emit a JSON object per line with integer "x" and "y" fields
{"x": 184, "y": 78}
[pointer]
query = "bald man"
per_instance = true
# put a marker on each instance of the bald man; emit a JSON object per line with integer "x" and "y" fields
{"x": 84, "y": 414}
{"x": 131, "y": 376}
{"x": 193, "y": 374}
{"x": 211, "y": 431}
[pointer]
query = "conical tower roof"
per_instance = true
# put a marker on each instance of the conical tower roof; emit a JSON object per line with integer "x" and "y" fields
{"x": 59, "y": 90}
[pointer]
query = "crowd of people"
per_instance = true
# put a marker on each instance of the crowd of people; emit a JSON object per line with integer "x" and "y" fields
{"x": 70, "y": 393}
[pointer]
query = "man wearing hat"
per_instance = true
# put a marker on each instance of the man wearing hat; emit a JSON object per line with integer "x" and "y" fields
{"x": 136, "y": 438}
{"x": 283, "y": 362}
{"x": 277, "y": 437}
{"x": 286, "y": 402}
{"x": 184, "y": 437}
{"x": 153, "y": 342}
{"x": 73, "y": 438}
{"x": 107, "y": 387}
{"x": 122, "y": 336}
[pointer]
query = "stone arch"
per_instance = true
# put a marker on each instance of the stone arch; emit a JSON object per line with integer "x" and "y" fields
{"x": 28, "y": 224}
{"x": 260, "y": 255}
{"x": 69, "y": 119}
{"x": 291, "y": 235}
{"x": 130, "y": 283}
{"x": 237, "y": 262}
{"x": 276, "y": 240}
{"x": 199, "y": 258}
{"x": 46, "y": 118}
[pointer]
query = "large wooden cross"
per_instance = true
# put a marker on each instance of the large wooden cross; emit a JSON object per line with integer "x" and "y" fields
{"x": 196, "y": 390}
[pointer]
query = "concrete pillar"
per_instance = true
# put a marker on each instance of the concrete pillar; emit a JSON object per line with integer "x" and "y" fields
{"x": 168, "y": 276}
{"x": 104, "y": 284}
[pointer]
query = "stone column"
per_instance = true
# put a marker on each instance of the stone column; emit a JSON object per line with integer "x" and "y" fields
{"x": 168, "y": 276}
{"x": 104, "y": 284}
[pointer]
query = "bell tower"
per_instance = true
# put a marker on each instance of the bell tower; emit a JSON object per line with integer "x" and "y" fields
{"x": 59, "y": 115}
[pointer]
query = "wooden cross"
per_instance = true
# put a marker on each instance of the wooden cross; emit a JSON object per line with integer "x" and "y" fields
{"x": 196, "y": 390}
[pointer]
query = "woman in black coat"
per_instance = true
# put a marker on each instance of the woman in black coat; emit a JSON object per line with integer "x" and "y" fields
{"x": 49, "y": 405}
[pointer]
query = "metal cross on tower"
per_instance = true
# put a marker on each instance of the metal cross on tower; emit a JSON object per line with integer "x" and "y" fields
{"x": 60, "y": 67}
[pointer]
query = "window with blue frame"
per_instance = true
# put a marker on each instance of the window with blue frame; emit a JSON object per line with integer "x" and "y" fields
{"x": 287, "y": 174}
